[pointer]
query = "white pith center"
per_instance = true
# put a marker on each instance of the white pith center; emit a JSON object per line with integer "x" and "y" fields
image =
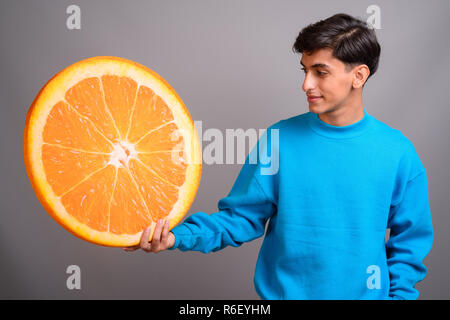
{"x": 122, "y": 153}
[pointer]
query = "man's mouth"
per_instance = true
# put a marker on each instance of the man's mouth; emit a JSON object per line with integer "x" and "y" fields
{"x": 314, "y": 98}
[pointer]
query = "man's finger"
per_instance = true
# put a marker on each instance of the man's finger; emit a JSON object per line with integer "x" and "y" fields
{"x": 132, "y": 248}
{"x": 156, "y": 240}
{"x": 165, "y": 232}
{"x": 144, "y": 244}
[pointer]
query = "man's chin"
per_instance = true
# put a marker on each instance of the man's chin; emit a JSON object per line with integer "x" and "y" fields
{"x": 316, "y": 108}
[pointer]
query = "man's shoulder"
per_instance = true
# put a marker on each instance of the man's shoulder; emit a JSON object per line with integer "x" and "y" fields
{"x": 391, "y": 135}
{"x": 396, "y": 142}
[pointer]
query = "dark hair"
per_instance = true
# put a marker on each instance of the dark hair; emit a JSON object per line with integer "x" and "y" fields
{"x": 351, "y": 40}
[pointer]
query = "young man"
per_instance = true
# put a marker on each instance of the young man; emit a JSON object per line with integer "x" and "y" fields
{"x": 344, "y": 177}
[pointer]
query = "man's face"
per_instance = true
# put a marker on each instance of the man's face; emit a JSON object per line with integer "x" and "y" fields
{"x": 327, "y": 78}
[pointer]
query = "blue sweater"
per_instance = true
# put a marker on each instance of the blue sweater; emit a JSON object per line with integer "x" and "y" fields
{"x": 328, "y": 201}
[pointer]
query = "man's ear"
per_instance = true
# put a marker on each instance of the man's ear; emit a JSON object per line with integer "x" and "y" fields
{"x": 360, "y": 75}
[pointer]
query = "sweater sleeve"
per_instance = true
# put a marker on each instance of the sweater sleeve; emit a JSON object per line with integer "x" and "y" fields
{"x": 411, "y": 235}
{"x": 241, "y": 215}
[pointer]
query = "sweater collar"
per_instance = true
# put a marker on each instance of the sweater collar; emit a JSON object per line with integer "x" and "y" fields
{"x": 336, "y": 132}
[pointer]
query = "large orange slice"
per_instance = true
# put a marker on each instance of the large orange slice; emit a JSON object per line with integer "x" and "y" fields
{"x": 110, "y": 148}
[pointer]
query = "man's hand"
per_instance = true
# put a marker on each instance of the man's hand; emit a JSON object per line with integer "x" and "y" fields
{"x": 162, "y": 239}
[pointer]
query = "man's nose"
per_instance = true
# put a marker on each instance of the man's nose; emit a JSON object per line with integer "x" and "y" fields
{"x": 308, "y": 83}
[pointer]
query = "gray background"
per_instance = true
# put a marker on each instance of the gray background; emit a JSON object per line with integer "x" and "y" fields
{"x": 231, "y": 63}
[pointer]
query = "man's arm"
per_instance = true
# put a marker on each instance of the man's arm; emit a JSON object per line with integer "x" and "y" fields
{"x": 242, "y": 214}
{"x": 410, "y": 239}
{"x": 241, "y": 218}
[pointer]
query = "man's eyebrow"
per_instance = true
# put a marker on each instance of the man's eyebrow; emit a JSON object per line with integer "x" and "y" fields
{"x": 318, "y": 65}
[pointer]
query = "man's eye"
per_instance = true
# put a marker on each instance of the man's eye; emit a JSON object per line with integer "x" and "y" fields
{"x": 318, "y": 72}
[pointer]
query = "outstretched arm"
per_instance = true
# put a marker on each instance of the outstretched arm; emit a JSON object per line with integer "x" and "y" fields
{"x": 241, "y": 218}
